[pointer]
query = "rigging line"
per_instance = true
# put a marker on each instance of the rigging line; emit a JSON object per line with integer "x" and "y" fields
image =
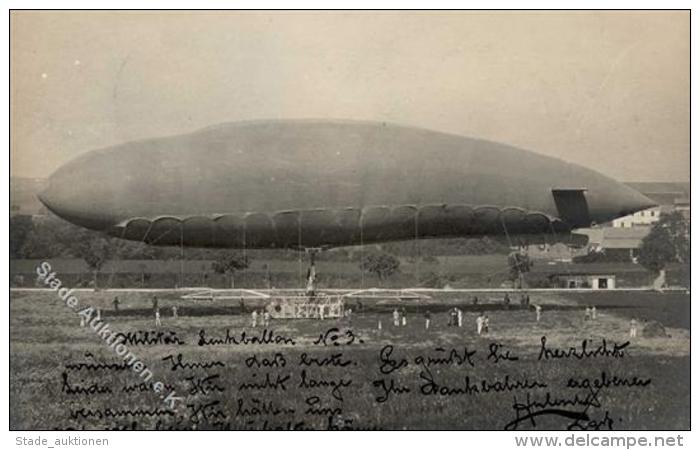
{"x": 300, "y": 249}
{"x": 245, "y": 246}
{"x": 119, "y": 254}
{"x": 510, "y": 244}
{"x": 554, "y": 237}
{"x": 362, "y": 250}
{"x": 182, "y": 251}
{"x": 416, "y": 270}
{"x": 153, "y": 242}
{"x": 148, "y": 230}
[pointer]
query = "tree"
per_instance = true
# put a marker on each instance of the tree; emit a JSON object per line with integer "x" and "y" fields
{"x": 20, "y": 228}
{"x": 228, "y": 263}
{"x": 518, "y": 264}
{"x": 49, "y": 238}
{"x": 668, "y": 241}
{"x": 382, "y": 265}
{"x": 95, "y": 250}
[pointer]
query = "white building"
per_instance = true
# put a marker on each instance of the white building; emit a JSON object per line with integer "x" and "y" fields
{"x": 640, "y": 218}
{"x": 583, "y": 281}
{"x": 669, "y": 196}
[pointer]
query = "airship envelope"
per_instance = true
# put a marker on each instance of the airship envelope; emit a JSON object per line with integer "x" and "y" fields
{"x": 318, "y": 183}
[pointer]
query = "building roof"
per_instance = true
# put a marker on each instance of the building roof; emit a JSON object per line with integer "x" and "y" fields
{"x": 621, "y": 238}
{"x": 582, "y": 274}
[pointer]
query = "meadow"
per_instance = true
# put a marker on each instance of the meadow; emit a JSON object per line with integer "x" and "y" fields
{"x": 46, "y": 338}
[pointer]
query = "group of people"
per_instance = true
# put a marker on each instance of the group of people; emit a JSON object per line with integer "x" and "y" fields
{"x": 399, "y": 317}
{"x": 633, "y": 328}
{"x": 482, "y": 324}
{"x": 591, "y": 313}
{"x": 264, "y": 314}
{"x": 156, "y": 310}
{"x": 455, "y": 318}
{"x": 524, "y": 300}
{"x": 456, "y": 315}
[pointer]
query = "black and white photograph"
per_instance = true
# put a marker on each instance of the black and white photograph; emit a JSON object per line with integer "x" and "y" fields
{"x": 349, "y": 220}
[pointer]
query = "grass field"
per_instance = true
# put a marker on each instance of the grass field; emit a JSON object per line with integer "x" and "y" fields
{"x": 46, "y": 336}
{"x": 482, "y": 271}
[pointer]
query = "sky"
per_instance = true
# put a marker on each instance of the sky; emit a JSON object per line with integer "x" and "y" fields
{"x": 607, "y": 90}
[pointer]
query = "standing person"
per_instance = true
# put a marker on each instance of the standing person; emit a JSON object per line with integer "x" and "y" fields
{"x": 311, "y": 280}
{"x": 241, "y": 303}
{"x": 459, "y": 317}
{"x": 475, "y": 300}
{"x": 115, "y": 302}
{"x": 594, "y": 313}
{"x": 527, "y": 299}
{"x": 538, "y": 312}
{"x": 254, "y": 318}
{"x": 321, "y": 311}
{"x": 154, "y": 303}
{"x": 486, "y": 324}
{"x": 158, "y": 324}
{"x": 479, "y": 324}
{"x": 587, "y": 315}
{"x": 403, "y": 317}
{"x": 266, "y": 319}
{"x": 395, "y": 316}
{"x": 452, "y": 318}
{"x": 175, "y": 311}
{"x": 633, "y": 328}
{"x": 506, "y": 299}
{"x": 427, "y": 320}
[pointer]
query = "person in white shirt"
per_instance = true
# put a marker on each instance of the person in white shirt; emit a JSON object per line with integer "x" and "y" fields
{"x": 158, "y": 324}
{"x": 395, "y": 314}
{"x": 479, "y": 324}
{"x": 254, "y": 318}
{"x": 459, "y": 317}
{"x": 538, "y": 312}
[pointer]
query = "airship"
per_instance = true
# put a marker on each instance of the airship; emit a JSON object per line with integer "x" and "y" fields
{"x": 306, "y": 184}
